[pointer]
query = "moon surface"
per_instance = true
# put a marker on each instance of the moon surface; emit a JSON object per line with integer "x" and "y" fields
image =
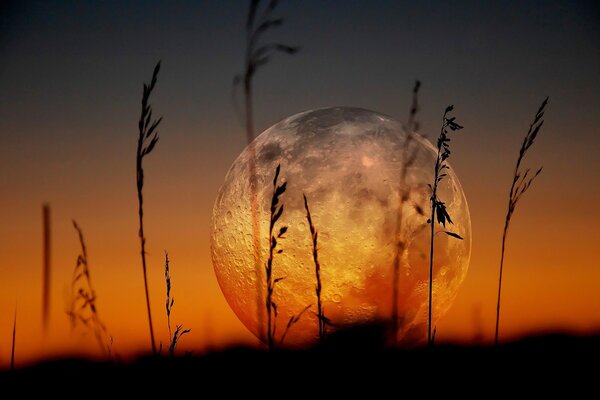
{"x": 348, "y": 162}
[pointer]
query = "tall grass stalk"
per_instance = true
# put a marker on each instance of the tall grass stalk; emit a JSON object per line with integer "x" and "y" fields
{"x": 276, "y": 212}
{"x": 438, "y": 208}
{"x": 14, "y": 337}
{"x": 147, "y": 139}
{"x": 257, "y": 54}
{"x": 314, "y": 238}
{"x": 47, "y": 268}
{"x": 520, "y": 184}
{"x": 409, "y": 156}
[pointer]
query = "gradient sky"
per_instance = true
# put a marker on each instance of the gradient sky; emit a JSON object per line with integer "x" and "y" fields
{"x": 70, "y": 86}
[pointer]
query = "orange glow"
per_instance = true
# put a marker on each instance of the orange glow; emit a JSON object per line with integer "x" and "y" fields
{"x": 551, "y": 279}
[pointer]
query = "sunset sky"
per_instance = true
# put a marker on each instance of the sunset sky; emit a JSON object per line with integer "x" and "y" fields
{"x": 71, "y": 78}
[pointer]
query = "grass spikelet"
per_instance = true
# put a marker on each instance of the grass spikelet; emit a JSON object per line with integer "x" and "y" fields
{"x": 169, "y": 303}
{"x": 522, "y": 180}
{"x": 147, "y": 139}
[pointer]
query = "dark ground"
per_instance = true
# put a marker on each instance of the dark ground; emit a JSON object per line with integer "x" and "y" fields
{"x": 349, "y": 364}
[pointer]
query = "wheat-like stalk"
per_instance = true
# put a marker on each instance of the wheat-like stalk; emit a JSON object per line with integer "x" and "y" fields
{"x": 314, "y": 235}
{"x": 438, "y": 208}
{"x": 257, "y": 54}
{"x": 276, "y": 212}
{"x": 520, "y": 184}
{"x": 147, "y": 139}
{"x": 409, "y": 155}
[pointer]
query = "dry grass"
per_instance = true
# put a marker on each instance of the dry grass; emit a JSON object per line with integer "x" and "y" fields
{"x": 438, "y": 208}
{"x": 14, "y": 337}
{"x": 82, "y": 306}
{"x": 323, "y": 321}
{"x": 292, "y": 321}
{"x": 257, "y": 55}
{"x": 276, "y": 212}
{"x": 409, "y": 155}
{"x": 170, "y": 302}
{"x": 147, "y": 139}
{"x": 520, "y": 184}
{"x": 47, "y": 268}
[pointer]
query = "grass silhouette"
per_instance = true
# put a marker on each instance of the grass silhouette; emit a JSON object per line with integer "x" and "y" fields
{"x": 47, "y": 268}
{"x": 409, "y": 156}
{"x": 147, "y": 139}
{"x": 438, "y": 208}
{"x": 276, "y": 212}
{"x": 14, "y": 338}
{"x": 257, "y": 55}
{"x": 170, "y": 302}
{"x": 323, "y": 321}
{"x": 82, "y": 305}
{"x": 520, "y": 184}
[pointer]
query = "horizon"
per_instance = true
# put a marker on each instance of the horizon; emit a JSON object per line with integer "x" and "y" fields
{"x": 72, "y": 78}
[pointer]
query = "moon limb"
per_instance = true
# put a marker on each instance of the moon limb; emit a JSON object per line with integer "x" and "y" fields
{"x": 347, "y": 162}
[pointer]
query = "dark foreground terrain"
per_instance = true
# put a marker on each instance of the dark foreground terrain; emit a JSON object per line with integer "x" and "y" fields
{"x": 537, "y": 364}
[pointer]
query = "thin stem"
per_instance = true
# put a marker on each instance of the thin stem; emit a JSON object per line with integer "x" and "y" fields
{"x": 520, "y": 184}
{"x": 143, "y": 243}
{"x": 254, "y": 202}
{"x": 47, "y": 269}
{"x": 432, "y": 224}
{"x": 168, "y": 303}
{"x": 14, "y": 336}
{"x": 269, "y": 302}
{"x": 147, "y": 131}
{"x": 318, "y": 288}
{"x": 430, "y": 276}
{"x": 500, "y": 278}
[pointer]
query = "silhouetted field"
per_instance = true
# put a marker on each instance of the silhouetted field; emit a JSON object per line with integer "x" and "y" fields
{"x": 346, "y": 362}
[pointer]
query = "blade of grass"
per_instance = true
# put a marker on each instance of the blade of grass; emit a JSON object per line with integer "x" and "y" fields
{"x": 47, "y": 268}
{"x": 314, "y": 237}
{"x": 408, "y": 157}
{"x": 147, "y": 139}
{"x": 257, "y": 54}
{"x": 14, "y": 336}
{"x": 520, "y": 184}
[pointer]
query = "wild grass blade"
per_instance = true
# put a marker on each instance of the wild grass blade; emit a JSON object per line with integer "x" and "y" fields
{"x": 147, "y": 140}
{"x": 521, "y": 182}
{"x": 257, "y": 55}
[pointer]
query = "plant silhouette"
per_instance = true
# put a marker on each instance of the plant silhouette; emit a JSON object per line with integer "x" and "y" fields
{"x": 47, "y": 267}
{"x": 520, "y": 184}
{"x": 276, "y": 212}
{"x": 82, "y": 307}
{"x": 169, "y": 303}
{"x": 322, "y": 320}
{"x": 409, "y": 155}
{"x": 438, "y": 208}
{"x": 14, "y": 338}
{"x": 257, "y": 55}
{"x": 147, "y": 139}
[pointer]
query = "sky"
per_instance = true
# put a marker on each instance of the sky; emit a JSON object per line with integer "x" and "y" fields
{"x": 71, "y": 78}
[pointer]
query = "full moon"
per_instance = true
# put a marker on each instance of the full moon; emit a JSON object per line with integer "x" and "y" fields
{"x": 348, "y": 163}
